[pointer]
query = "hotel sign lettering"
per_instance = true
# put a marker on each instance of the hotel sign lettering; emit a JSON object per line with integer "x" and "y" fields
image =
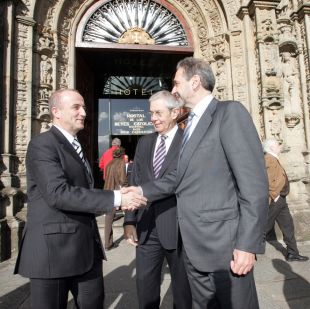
{"x": 136, "y": 92}
{"x": 130, "y": 117}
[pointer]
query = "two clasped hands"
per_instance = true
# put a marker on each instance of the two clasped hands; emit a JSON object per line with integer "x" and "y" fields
{"x": 132, "y": 198}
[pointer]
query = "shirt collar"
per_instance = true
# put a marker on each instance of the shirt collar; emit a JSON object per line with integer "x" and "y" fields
{"x": 66, "y": 134}
{"x": 273, "y": 154}
{"x": 171, "y": 133}
{"x": 201, "y": 106}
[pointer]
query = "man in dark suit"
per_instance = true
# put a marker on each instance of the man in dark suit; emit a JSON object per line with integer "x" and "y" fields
{"x": 279, "y": 188}
{"x": 154, "y": 229}
{"x": 61, "y": 249}
{"x": 222, "y": 193}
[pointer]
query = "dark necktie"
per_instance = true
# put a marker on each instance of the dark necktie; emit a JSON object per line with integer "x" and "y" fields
{"x": 159, "y": 156}
{"x": 78, "y": 148}
{"x": 187, "y": 129}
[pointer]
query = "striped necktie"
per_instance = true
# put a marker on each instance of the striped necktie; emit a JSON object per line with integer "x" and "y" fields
{"x": 159, "y": 156}
{"x": 186, "y": 133}
{"x": 78, "y": 148}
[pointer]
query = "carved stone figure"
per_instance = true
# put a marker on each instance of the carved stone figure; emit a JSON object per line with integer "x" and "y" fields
{"x": 267, "y": 27}
{"x": 221, "y": 78}
{"x": 289, "y": 74}
{"x": 46, "y": 70}
{"x": 276, "y": 126}
{"x": 284, "y": 8}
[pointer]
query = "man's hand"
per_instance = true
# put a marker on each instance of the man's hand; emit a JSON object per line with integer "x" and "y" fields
{"x": 136, "y": 190}
{"x": 130, "y": 234}
{"x": 131, "y": 201}
{"x": 242, "y": 262}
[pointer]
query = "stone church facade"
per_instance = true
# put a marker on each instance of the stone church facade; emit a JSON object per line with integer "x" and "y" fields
{"x": 259, "y": 51}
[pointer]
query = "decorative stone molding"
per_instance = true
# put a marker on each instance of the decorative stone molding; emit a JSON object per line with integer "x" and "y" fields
{"x": 23, "y": 87}
{"x": 292, "y": 120}
{"x": 136, "y": 36}
{"x": 23, "y": 8}
{"x": 219, "y": 47}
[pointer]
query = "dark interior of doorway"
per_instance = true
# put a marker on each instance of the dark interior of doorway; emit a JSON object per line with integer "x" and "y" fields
{"x": 94, "y": 66}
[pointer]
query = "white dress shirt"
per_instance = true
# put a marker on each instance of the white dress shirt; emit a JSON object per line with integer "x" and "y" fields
{"x": 199, "y": 109}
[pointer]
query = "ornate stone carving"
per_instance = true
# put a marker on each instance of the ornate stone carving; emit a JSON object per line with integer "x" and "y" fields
{"x": 238, "y": 68}
{"x": 287, "y": 35}
{"x": 46, "y": 70}
{"x": 292, "y": 120}
{"x": 23, "y": 47}
{"x": 291, "y": 88}
{"x": 23, "y": 8}
{"x": 276, "y": 126}
{"x": 221, "y": 79}
{"x": 214, "y": 15}
{"x": 219, "y": 47}
{"x": 267, "y": 30}
{"x": 136, "y": 36}
{"x": 284, "y": 9}
{"x": 46, "y": 43}
{"x": 195, "y": 15}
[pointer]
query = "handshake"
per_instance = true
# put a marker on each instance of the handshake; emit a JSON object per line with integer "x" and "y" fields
{"x": 132, "y": 198}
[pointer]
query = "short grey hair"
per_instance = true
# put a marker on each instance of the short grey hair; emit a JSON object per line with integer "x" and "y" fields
{"x": 169, "y": 99}
{"x": 268, "y": 143}
{"x": 55, "y": 98}
{"x": 194, "y": 66}
{"x": 116, "y": 142}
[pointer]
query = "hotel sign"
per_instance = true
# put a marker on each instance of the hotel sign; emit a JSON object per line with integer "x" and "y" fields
{"x": 130, "y": 117}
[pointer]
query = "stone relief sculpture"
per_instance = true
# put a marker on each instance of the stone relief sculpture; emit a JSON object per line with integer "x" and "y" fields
{"x": 284, "y": 9}
{"x": 46, "y": 70}
{"x": 221, "y": 78}
{"x": 276, "y": 126}
{"x": 291, "y": 91}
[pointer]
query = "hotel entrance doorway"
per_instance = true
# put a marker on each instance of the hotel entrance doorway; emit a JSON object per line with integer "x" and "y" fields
{"x": 116, "y": 86}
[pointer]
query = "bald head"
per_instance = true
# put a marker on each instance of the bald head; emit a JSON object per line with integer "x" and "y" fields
{"x": 67, "y": 110}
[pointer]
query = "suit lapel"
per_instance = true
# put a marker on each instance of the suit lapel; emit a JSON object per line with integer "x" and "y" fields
{"x": 198, "y": 134}
{"x": 69, "y": 148}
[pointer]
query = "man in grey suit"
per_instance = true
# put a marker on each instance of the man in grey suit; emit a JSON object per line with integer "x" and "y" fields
{"x": 222, "y": 193}
{"x": 61, "y": 250}
{"x": 154, "y": 229}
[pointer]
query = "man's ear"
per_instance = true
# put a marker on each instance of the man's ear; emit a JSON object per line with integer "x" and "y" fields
{"x": 56, "y": 112}
{"x": 196, "y": 82}
{"x": 175, "y": 113}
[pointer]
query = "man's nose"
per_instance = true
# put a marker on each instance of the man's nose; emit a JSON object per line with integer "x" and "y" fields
{"x": 83, "y": 111}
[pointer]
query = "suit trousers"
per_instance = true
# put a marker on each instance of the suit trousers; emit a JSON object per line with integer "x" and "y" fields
{"x": 149, "y": 262}
{"x": 87, "y": 290}
{"x": 280, "y": 213}
{"x": 108, "y": 228}
{"x": 222, "y": 289}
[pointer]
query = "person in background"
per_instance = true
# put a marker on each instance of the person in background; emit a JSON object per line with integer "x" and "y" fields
{"x": 107, "y": 156}
{"x": 128, "y": 165}
{"x": 115, "y": 179}
{"x": 279, "y": 188}
{"x": 61, "y": 249}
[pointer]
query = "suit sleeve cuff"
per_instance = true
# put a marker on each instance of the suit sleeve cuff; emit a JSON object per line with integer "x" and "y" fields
{"x": 117, "y": 198}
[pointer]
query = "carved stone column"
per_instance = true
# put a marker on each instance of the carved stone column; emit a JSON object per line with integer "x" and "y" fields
{"x": 251, "y": 66}
{"x": 302, "y": 23}
{"x": 17, "y": 125}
